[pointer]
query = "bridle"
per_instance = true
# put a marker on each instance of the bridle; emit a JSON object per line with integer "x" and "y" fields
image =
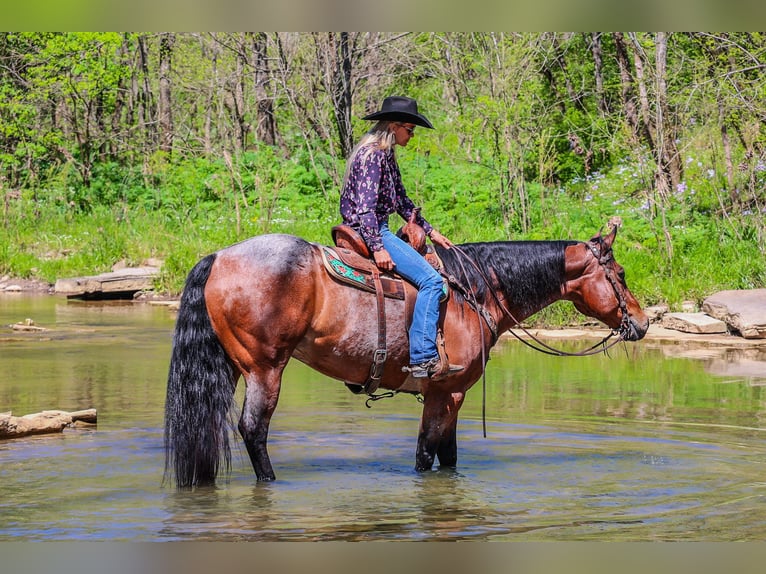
{"x": 601, "y": 252}
{"x": 604, "y": 256}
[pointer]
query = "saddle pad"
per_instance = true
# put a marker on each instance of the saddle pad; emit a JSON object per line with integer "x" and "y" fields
{"x": 352, "y": 269}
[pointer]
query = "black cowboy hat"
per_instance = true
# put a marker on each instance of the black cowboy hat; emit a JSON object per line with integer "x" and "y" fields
{"x": 400, "y": 109}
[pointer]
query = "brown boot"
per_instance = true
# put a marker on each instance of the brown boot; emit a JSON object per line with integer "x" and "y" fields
{"x": 425, "y": 369}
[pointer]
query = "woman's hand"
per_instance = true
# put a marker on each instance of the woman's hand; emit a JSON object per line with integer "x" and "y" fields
{"x": 440, "y": 240}
{"x": 383, "y": 260}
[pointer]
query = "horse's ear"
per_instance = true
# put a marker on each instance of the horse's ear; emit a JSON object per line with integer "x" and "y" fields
{"x": 615, "y": 223}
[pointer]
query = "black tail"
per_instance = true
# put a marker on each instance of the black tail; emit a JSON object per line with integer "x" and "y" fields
{"x": 200, "y": 391}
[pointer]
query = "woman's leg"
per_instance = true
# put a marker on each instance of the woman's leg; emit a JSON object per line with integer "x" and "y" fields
{"x": 413, "y": 267}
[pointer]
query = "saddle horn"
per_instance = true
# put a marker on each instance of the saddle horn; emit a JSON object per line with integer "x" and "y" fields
{"x": 413, "y": 233}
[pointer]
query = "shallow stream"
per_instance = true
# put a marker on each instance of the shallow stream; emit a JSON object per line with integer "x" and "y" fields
{"x": 648, "y": 443}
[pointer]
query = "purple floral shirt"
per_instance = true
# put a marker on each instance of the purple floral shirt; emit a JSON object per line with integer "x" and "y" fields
{"x": 374, "y": 191}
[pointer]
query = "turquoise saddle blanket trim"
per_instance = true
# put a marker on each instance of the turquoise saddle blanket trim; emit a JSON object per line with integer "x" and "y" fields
{"x": 353, "y": 269}
{"x": 345, "y": 272}
{"x": 360, "y": 274}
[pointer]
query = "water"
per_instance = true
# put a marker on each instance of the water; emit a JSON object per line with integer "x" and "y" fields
{"x": 642, "y": 445}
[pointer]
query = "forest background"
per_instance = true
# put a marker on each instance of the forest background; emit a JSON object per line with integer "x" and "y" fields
{"x": 129, "y": 146}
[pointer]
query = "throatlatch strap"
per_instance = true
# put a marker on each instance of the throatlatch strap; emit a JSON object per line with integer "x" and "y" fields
{"x": 379, "y": 358}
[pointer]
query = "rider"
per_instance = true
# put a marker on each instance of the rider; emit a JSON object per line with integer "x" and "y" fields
{"x": 373, "y": 190}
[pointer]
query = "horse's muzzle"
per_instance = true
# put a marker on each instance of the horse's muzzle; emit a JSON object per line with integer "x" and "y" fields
{"x": 633, "y": 330}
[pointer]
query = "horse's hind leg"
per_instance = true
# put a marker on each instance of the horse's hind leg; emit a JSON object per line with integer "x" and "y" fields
{"x": 261, "y": 396}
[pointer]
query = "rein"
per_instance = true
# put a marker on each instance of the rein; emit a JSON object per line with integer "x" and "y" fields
{"x": 482, "y": 314}
{"x": 541, "y": 346}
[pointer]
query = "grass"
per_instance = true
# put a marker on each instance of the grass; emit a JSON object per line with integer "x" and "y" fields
{"x": 49, "y": 238}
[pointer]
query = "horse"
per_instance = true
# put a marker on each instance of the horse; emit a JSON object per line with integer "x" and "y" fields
{"x": 249, "y": 308}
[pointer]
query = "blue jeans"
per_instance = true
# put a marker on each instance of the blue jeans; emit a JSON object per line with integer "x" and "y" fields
{"x": 412, "y": 266}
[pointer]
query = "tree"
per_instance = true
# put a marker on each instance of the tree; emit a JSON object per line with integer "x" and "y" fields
{"x": 74, "y": 81}
{"x": 143, "y": 109}
{"x": 528, "y": 110}
{"x": 333, "y": 52}
{"x": 265, "y": 125}
{"x": 627, "y": 86}
{"x": 166, "y": 133}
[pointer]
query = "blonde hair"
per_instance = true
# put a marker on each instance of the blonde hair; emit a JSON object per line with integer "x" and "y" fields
{"x": 378, "y": 137}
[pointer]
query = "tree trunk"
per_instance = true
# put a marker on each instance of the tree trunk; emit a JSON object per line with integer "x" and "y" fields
{"x": 654, "y": 127}
{"x": 669, "y": 157}
{"x": 116, "y": 143}
{"x": 662, "y": 177}
{"x": 265, "y": 126}
{"x": 146, "y": 105}
{"x": 341, "y": 91}
{"x": 548, "y": 73}
{"x": 626, "y": 83}
{"x": 598, "y": 71}
{"x": 167, "y": 42}
{"x": 210, "y": 101}
{"x": 241, "y": 125}
{"x": 647, "y": 123}
{"x": 727, "y": 153}
{"x": 723, "y": 117}
{"x": 575, "y": 97}
{"x": 334, "y": 57}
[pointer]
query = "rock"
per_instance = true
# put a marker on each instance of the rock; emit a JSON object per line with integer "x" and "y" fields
{"x": 121, "y": 264}
{"x": 16, "y": 285}
{"x": 693, "y": 323}
{"x": 689, "y": 307}
{"x": 655, "y": 312}
{"x": 123, "y": 283}
{"x": 26, "y": 325}
{"x": 743, "y": 310}
{"x": 153, "y": 262}
{"x": 44, "y": 422}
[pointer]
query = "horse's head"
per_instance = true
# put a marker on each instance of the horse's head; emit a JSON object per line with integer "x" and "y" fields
{"x": 596, "y": 286}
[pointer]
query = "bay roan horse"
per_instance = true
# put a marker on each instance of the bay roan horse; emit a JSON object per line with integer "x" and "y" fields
{"x": 248, "y": 308}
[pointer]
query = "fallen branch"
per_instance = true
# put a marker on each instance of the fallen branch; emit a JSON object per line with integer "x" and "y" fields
{"x": 44, "y": 422}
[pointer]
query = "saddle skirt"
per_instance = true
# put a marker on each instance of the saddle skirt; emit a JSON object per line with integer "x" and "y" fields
{"x": 351, "y": 261}
{"x": 351, "y": 268}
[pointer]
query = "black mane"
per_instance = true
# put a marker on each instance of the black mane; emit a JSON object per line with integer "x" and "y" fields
{"x": 528, "y": 271}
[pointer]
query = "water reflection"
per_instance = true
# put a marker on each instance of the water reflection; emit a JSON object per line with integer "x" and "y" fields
{"x": 643, "y": 444}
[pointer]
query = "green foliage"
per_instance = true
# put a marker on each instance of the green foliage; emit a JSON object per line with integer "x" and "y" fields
{"x": 526, "y": 146}
{"x": 44, "y": 239}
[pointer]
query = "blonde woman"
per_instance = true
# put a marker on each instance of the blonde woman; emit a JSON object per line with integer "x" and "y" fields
{"x": 373, "y": 190}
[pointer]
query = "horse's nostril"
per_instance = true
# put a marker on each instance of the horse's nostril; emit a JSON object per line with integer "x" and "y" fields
{"x": 634, "y": 331}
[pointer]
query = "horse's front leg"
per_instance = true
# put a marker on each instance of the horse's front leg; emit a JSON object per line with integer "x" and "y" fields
{"x": 447, "y": 450}
{"x": 438, "y": 429}
{"x": 261, "y": 396}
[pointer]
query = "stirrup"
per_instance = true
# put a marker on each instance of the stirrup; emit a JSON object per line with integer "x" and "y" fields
{"x": 445, "y": 368}
{"x": 434, "y": 375}
{"x": 444, "y": 373}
